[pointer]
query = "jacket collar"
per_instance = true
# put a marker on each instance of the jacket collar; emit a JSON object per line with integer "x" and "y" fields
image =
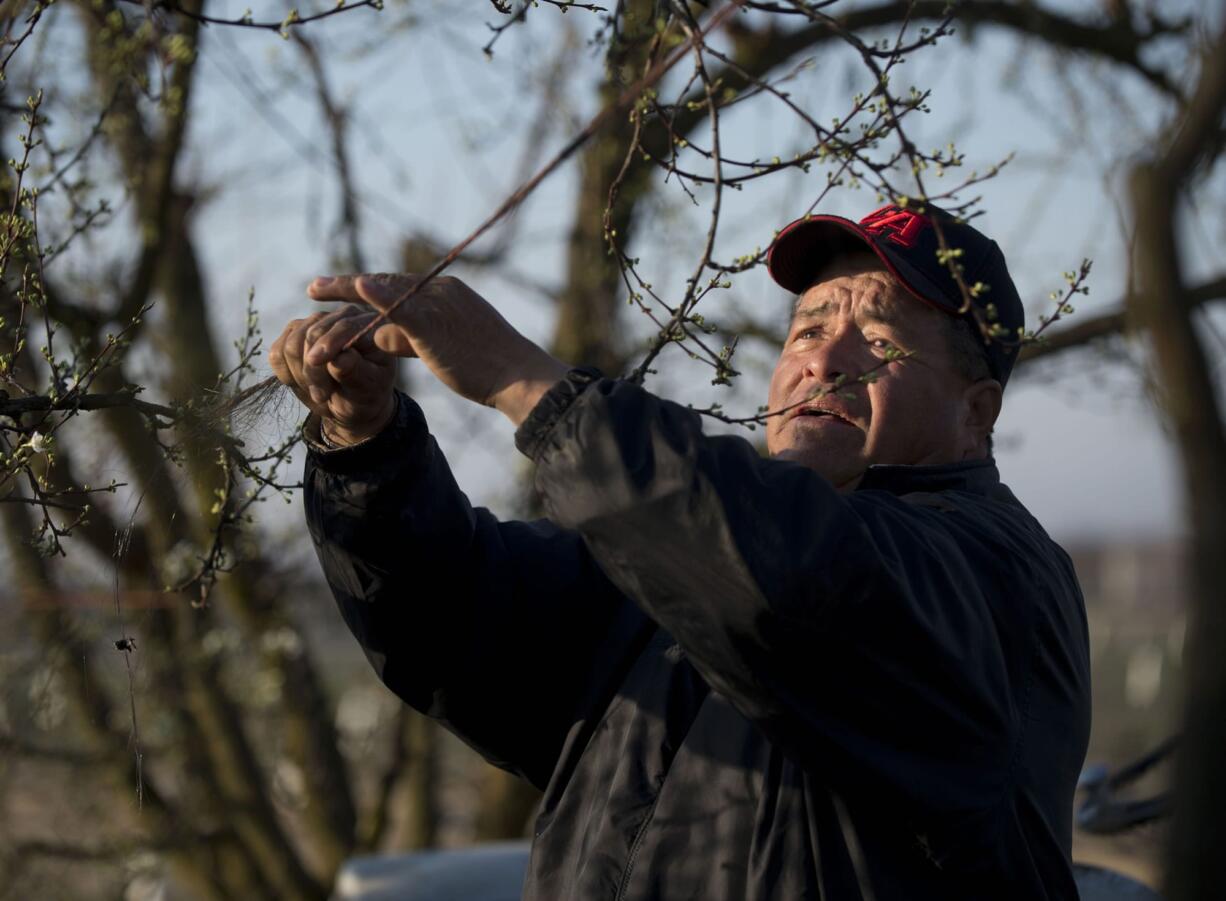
{"x": 976, "y": 476}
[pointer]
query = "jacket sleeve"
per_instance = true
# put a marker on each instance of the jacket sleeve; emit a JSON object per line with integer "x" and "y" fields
{"x": 498, "y": 629}
{"x": 872, "y": 637}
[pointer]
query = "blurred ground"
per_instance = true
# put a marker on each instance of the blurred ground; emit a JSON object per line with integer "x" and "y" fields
{"x": 1135, "y": 605}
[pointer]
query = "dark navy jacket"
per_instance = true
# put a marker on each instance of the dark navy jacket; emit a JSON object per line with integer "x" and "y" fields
{"x": 730, "y": 681}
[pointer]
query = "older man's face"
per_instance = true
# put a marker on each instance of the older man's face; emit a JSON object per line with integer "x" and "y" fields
{"x": 915, "y": 411}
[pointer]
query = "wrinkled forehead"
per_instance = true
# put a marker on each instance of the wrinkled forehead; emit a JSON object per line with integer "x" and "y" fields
{"x": 864, "y": 292}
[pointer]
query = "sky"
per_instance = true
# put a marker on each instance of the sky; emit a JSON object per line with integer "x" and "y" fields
{"x": 441, "y": 135}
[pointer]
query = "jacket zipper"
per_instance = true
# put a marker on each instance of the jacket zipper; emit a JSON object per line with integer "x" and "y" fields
{"x": 634, "y": 850}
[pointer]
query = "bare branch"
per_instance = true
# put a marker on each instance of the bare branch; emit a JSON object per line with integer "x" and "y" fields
{"x": 18, "y": 745}
{"x": 160, "y": 415}
{"x": 1106, "y": 325}
{"x": 337, "y": 120}
{"x": 293, "y": 20}
{"x": 758, "y": 52}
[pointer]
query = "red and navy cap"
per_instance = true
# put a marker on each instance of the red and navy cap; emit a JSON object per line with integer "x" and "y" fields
{"x": 906, "y": 241}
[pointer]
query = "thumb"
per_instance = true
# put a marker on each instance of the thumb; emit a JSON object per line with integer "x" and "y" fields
{"x": 383, "y": 292}
{"x": 393, "y": 339}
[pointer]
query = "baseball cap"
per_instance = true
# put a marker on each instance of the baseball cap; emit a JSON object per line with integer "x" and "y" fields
{"x": 905, "y": 240}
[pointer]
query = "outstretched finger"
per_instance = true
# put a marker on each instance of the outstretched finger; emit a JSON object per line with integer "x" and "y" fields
{"x": 334, "y": 287}
{"x": 383, "y": 292}
{"x": 345, "y": 287}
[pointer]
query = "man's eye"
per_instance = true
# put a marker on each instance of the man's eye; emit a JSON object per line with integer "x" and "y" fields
{"x": 882, "y": 344}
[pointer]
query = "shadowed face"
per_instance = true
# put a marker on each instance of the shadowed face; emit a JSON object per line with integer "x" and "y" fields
{"x": 916, "y": 410}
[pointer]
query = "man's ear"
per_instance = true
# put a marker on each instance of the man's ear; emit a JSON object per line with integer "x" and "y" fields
{"x": 981, "y": 405}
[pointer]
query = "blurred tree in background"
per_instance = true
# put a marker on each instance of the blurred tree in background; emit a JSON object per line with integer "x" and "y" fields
{"x": 215, "y": 752}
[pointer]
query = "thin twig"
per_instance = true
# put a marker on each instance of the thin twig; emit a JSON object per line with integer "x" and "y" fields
{"x": 292, "y": 20}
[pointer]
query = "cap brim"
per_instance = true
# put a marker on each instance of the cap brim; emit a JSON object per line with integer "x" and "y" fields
{"x": 805, "y": 246}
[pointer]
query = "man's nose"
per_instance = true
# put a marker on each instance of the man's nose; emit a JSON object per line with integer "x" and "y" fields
{"x": 838, "y": 355}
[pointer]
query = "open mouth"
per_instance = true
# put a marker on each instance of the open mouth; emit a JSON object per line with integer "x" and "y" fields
{"x": 821, "y": 415}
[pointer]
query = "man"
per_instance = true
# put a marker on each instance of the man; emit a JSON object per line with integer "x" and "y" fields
{"x": 858, "y": 669}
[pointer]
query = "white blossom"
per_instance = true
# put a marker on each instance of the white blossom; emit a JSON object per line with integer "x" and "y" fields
{"x": 39, "y": 443}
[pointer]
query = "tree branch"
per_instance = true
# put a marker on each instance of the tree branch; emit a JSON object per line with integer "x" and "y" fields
{"x": 759, "y": 52}
{"x": 337, "y": 120}
{"x": 160, "y": 415}
{"x": 292, "y": 20}
{"x": 1113, "y": 323}
{"x": 14, "y": 744}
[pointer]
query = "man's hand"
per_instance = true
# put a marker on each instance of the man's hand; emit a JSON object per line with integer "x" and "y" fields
{"x": 463, "y": 340}
{"x": 352, "y": 391}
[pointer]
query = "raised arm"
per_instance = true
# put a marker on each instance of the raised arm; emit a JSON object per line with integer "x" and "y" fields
{"x": 502, "y": 630}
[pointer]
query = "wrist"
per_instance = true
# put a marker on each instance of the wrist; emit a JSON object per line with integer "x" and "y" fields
{"x": 337, "y": 435}
{"x": 531, "y": 434}
{"x": 518, "y": 399}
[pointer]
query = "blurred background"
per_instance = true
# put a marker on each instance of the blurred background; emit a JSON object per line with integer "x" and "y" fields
{"x": 153, "y": 746}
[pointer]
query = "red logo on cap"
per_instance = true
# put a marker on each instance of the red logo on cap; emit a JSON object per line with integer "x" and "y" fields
{"x": 894, "y": 224}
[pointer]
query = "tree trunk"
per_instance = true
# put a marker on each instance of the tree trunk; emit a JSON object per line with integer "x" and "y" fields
{"x": 1160, "y": 306}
